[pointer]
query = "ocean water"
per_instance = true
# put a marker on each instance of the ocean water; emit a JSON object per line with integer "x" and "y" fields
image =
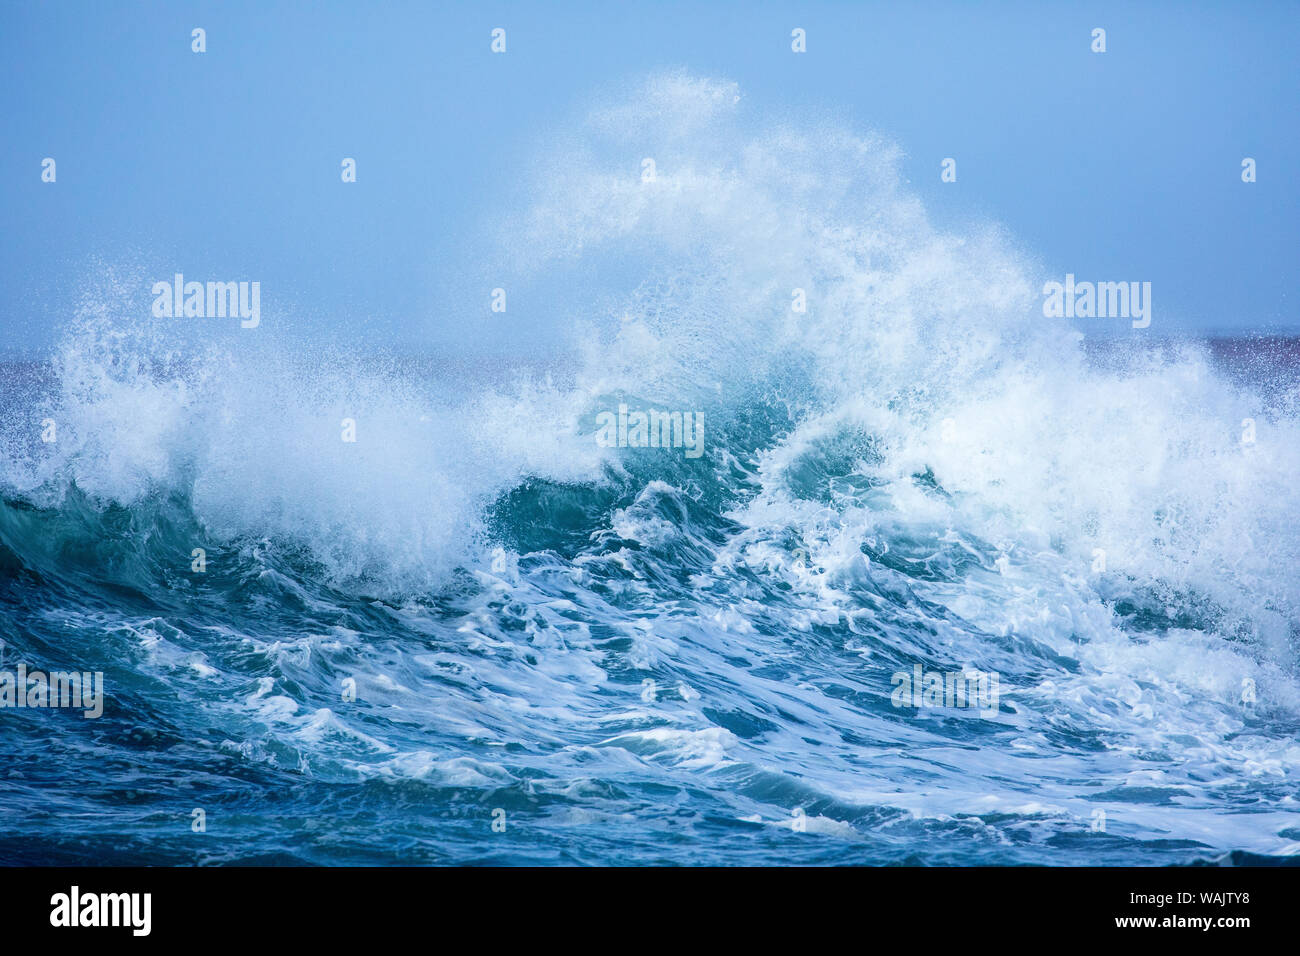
{"x": 479, "y": 634}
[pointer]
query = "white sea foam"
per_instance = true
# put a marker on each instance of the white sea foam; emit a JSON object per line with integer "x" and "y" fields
{"x": 941, "y": 469}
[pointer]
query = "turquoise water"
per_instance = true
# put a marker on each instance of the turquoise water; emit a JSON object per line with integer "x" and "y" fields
{"x": 478, "y": 613}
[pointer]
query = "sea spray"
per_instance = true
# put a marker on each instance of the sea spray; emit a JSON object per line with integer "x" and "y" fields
{"x": 458, "y": 612}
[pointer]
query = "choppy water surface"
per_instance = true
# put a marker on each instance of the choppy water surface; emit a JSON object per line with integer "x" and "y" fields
{"x": 642, "y": 657}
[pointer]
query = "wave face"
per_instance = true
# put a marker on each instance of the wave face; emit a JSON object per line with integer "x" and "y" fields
{"x": 632, "y": 655}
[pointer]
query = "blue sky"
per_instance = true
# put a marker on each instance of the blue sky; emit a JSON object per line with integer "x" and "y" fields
{"x": 1119, "y": 165}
